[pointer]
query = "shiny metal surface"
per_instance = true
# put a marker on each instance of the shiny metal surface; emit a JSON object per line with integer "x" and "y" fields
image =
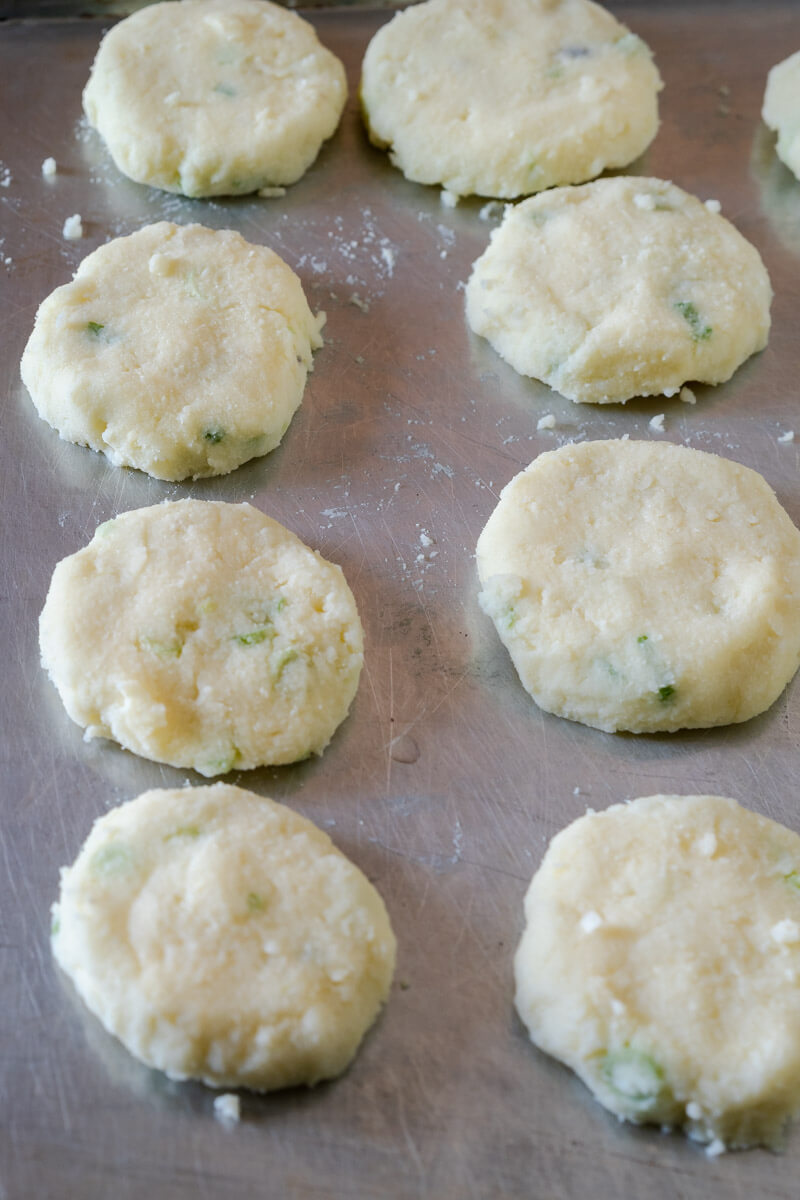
{"x": 446, "y": 781}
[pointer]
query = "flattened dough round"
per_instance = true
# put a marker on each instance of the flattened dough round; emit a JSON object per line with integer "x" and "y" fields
{"x": 507, "y": 97}
{"x": 179, "y": 350}
{"x": 661, "y": 960}
{"x": 781, "y": 110}
{"x": 623, "y": 287}
{"x": 204, "y": 635}
{"x": 222, "y": 937}
{"x": 643, "y": 586}
{"x": 214, "y": 97}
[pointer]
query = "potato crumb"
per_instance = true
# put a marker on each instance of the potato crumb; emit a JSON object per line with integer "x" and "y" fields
{"x": 657, "y": 423}
{"x": 786, "y": 932}
{"x": 449, "y": 199}
{"x": 269, "y": 192}
{"x": 228, "y": 1108}
{"x": 687, "y": 396}
{"x": 73, "y": 228}
{"x": 491, "y": 211}
{"x": 707, "y": 844}
{"x": 546, "y": 422}
{"x": 49, "y": 168}
{"x": 715, "y": 1148}
{"x": 644, "y": 200}
{"x": 590, "y": 921}
{"x": 713, "y": 206}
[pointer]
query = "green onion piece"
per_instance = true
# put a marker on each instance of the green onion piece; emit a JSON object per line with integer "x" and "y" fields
{"x": 279, "y": 667}
{"x": 255, "y": 902}
{"x": 171, "y": 649}
{"x": 190, "y": 831}
{"x": 94, "y": 327}
{"x": 112, "y": 859}
{"x": 221, "y": 765}
{"x": 214, "y": 435}
{"x": 666, "y": 693}
{"x": 634, "y": 1076}
{"x": 700, "y": 331}
{"x": 55, "y": 925}
{"x": 641, "y": 638}
{"x": 253, "y": 638}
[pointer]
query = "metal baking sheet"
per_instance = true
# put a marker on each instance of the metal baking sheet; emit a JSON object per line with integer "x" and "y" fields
{"x": 446, "y": 781}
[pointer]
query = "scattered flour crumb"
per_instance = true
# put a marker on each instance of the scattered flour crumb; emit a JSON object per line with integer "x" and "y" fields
{"x": 546, "y": 422}
{"x": 424, "y": 540}
{"x": 687, "y": 395}
{"x": 449, "y": 199}
{"x": 590, "y": 921}
{"x": 644, "y": 200}
{"x": 360, "y": 359}
{"x": 715, "y": 1148}
{"x": 5, "y": 176}
{"x": 269, "y": 192}
{"x": 786, "y": 437}
{"x": 693, "y": 1111}
{"x": 49, "y": 168}
{"x": 491, "y": 211}
{"x": 657, "y": 423}
{"x": 359, "y": 303}
{"x": 73, "y": 228}
{"x": 227, "y": 1108}
{"x": 713, "y": 206}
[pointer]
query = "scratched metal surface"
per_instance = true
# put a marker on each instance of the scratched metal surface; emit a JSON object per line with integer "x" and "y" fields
{"x": 446, "y": 781}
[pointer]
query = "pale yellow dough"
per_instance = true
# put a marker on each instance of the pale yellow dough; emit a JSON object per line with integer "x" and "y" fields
{"x": 507, "y": 97}
{"x": 203, "y": 635}
{"x": 781, "y": 110}
{"x": 623, "y": 287}
{"x": 222, "y": 937}
{"x": 179, "y": 350}
{"x": 643, "y": 586}
{"x": 213, "y": 97}
{"x": 661, "y": 962}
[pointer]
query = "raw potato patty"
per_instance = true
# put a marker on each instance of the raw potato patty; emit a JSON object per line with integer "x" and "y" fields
{"x": 203, "y": 635}
{"x": 507, "y": 97}
{"x": 214, "y": 97}
{"x": 179, "y": 350}
{"x": 222, "y": 937}
{"x": 624, "y": 287}
{"x": 643, "y": 586}
{"x": 781, "y": 110}
{"x": 661, "y": 960}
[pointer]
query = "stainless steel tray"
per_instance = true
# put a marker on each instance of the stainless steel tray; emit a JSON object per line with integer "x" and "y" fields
{"x": 446, "y": 781}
